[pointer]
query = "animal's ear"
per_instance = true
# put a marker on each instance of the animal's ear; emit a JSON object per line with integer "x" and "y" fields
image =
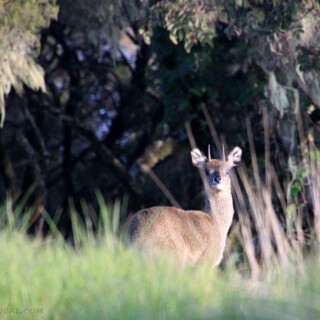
{"x": 234, "y": 156}
{"x": 198, "y": 159}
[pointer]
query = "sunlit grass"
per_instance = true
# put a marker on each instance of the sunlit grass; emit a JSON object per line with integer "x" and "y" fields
{"x": 99, "y": 276}
{"x": 48, "y": 279}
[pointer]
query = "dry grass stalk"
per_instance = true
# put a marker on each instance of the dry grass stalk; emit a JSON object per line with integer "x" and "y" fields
{"x": 277, "y": 244}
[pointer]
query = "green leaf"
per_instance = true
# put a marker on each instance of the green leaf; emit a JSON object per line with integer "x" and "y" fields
{"x": 294, "y": 190}
{"x": 291, "y": 210}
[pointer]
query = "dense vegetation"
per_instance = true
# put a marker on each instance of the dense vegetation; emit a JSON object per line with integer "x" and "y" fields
{"x": 99, "y": 278}
{"x": 100, "y": 101}
{"x": 50, "y": 281}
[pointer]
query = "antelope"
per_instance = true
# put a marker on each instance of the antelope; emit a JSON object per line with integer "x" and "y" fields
{"x": 191, "y": 236}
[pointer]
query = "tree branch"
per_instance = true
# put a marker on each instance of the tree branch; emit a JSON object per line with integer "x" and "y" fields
{"x": 103, "y": 152}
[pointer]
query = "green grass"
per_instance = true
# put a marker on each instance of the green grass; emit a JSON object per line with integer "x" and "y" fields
{"x": 47, "y": 279}
{"x": 101, "y": 278}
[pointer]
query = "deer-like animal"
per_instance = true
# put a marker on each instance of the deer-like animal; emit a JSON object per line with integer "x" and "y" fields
{"x": 191, "y": 236}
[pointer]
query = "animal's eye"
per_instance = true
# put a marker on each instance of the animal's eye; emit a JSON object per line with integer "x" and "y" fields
{"x": 207, "y": 172}
{"x": 227, "y": 172}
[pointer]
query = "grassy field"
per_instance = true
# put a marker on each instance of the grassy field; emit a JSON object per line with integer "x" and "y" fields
{"x": 270, "y": 272}
{"x": 51, "y": 280}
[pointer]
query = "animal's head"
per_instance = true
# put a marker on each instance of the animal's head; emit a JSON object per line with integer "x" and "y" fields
{"x": 217, "y": 171}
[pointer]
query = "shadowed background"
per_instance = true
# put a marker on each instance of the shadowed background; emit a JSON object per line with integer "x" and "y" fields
{"x": 97, "y": 93}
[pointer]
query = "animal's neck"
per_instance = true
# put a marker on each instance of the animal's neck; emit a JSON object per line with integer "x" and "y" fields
{"x": 219, "y": 205}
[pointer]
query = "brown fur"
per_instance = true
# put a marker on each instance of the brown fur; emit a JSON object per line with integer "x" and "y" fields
{"x": 190, "y": 236}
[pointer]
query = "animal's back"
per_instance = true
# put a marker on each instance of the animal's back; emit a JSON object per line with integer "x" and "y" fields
{"x": 189, "y": 235}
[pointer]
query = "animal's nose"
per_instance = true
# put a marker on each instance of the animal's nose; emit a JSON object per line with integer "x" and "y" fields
{"x": 217, "y": 178}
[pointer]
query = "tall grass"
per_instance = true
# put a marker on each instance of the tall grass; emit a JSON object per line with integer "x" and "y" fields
{"x": 99, "y": 278}
{"x": 271, "y": 269}
{"x": 268, "y": 243}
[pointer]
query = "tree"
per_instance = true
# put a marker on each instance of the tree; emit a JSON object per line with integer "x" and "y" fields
{"x": 123, "y": 78}
{"x": 20, "y": 25}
